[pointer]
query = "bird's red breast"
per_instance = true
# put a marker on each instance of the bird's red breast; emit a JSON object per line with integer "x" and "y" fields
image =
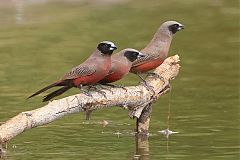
{"x": 91, "y": 79}
{"x": 101, "y": 71}
{"x": 113, "y": 77}
{"x": 119, "y": 68}
{"x": 147, "y": 66}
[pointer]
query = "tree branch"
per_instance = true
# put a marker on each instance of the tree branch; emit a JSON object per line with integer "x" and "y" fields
{"x": 135, "y": 98}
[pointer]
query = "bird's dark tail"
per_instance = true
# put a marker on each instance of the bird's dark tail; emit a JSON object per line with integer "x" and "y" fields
{"x": 59, "y": 83}
{"x": 56, "y": 93}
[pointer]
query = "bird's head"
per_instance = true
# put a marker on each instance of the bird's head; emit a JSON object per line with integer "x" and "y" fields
{"x": 106, "y": 47}
{"x": 171, "y": 27}
{"x": 132, "y": 54}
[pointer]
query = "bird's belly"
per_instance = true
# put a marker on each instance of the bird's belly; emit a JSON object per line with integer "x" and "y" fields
{"x": 113, "y": 77}
{"x": 101, "y": 72}
{"x": 147, "y": 66}
{"x": 91, "y": 79}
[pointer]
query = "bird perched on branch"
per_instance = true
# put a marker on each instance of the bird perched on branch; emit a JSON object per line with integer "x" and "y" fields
{"x": 157, "y": 50}
{"x": 121, "y": 65}
{"x": 92, "y": 70}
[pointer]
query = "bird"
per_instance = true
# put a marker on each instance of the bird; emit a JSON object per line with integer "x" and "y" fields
{"x": 92, "y": 70}
{"x": 121, "y": 64}
{"x": 157, "y": 49}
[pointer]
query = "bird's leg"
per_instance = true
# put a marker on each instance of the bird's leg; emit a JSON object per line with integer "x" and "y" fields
{"x": 152, "y": 74}
{"x": 98, "y": 90}
{"x": 115, "y": 86}
{"x": 84, "y": 91}
{"x": 150, "y": 88}
{"x": 138, "y": 74}
{"x": 104, "y": 87}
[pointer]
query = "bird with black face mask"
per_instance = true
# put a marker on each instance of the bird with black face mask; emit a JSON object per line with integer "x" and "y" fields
{"x": 157, "y": 50}
{"x": 92, "y": 70}
{"x": 121, "y": 65}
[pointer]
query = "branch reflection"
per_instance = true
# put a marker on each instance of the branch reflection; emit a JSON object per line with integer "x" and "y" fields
{"x": 142, "y": 147}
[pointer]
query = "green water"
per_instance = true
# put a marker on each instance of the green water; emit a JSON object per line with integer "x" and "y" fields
{"x": 40, "y": 42}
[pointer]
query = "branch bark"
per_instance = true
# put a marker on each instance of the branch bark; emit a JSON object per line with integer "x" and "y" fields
{"x": 135, "y": 98}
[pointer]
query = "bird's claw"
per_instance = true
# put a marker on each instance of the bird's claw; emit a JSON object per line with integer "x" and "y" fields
{"x": 102, "y": 93}
{"x": 115, "y": 86}
{"x": 87, "y": 93}
{"x": 122, "y": 86}
{"x": 152, "y": 74}
{"x": 96, "y": 89}
{"x": 106, "y": 88}
{"x": 84, "y": 91}
{"x": 149, "y": 88}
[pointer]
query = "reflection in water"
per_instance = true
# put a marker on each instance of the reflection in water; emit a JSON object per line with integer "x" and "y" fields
{"x": 19, "y": 12}
{"x": 167, "y": 132}
{"x": 206, "y": 113}
{"x": 20, "y": 6}
{"x": 3, "y": 151}
{"x": 142, "y": 147}
{"x": 117, "y": 133}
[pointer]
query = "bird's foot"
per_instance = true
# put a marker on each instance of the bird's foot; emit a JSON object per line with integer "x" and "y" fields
{"x": 149, "y": 88}
{"x": 105, "y": 87}
{"x": 152, "y": 74}
{"x": 145, "y": 84}
{"x": 102, "y": 93}
{"x": 98, "y": 90}
{"x": 116, "y": 86}
{"x": 122, "y": 86}
{"x": 84, "y": 91}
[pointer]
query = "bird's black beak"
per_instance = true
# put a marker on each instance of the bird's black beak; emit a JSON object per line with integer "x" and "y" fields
{"x": 140, "y": 54}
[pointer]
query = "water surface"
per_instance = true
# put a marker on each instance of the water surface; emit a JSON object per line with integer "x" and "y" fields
{"x": 41, "y": 41}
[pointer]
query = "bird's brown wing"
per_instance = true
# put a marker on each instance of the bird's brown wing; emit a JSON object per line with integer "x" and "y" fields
{"x": 78, "y": 72}
{"x": 144, "y": 59}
